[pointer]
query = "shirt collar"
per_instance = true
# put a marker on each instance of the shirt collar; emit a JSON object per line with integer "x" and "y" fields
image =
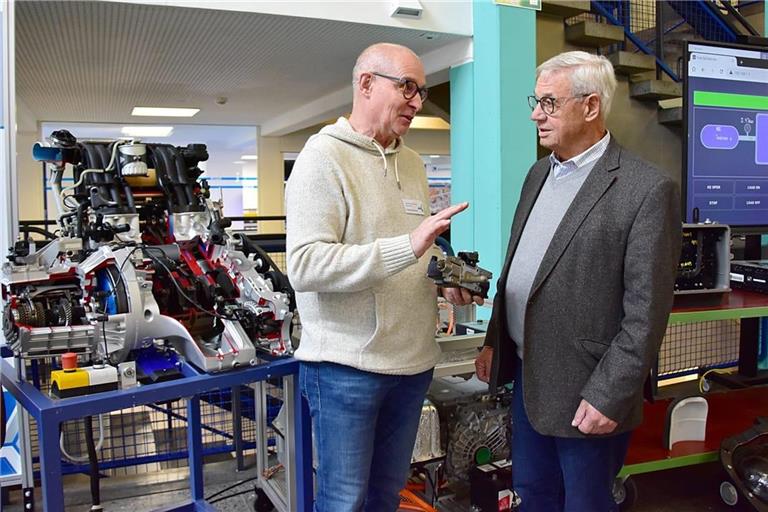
{"x": 562, "y": 169}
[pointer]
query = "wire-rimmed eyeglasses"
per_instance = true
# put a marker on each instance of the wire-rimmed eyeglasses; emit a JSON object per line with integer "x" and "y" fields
{"x": 409, "y": 87}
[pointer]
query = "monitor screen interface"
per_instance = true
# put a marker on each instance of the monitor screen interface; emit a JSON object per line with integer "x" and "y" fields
{"x": 726, "y": 108}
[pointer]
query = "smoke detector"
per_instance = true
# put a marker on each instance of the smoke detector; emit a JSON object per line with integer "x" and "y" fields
{"x": 410, "y": 9}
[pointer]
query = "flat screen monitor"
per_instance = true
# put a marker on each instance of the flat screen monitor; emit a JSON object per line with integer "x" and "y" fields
{"x": 725, "y": 116}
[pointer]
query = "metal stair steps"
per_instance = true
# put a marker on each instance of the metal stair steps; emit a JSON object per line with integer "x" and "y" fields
{"x": 670, "y": 116}
{"x": 565, "y": 8}
{"x": 593, "y": 34}
{"x": 655, "y": 90}
{"x": 628, "y": 63}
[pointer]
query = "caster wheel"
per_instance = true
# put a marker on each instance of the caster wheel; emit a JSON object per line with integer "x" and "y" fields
{"x": 624, "y": 493}
{"x": 728, "y": 493}
{"x": 262, "y": 503}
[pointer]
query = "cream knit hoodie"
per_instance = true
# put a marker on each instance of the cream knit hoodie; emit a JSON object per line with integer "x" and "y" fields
{"x": 363, "y": 297}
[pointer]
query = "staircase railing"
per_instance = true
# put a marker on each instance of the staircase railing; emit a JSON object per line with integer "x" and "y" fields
{"x": 607, "y": 10}
{"x": 705, "y": 17}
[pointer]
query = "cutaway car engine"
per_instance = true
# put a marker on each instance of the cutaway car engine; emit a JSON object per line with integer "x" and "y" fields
{"x": 142, "y": 257}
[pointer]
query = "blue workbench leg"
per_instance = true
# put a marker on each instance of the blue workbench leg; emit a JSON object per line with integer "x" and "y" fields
{"x": 195, "y": 446}
{"x": 50, "y": 465}
{"x": 303, "y": 436}
{"x": 237, "y": 427}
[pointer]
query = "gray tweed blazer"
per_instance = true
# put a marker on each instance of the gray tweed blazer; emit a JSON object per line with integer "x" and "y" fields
{"x": 599, "y": 304}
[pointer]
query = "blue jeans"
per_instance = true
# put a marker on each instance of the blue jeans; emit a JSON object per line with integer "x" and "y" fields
{"x": 552, "y": 474}
{"x": 364, "y": 427}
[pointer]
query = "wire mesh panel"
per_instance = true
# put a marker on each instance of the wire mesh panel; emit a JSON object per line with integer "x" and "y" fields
{"x": 279, "y": 259}
{"x": 641, "y": 15}
{"x": 691, "y": 348}
{"x": 153, "y": 437}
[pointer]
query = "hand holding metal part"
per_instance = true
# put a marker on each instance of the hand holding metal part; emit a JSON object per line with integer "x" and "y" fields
{"x": 460, "y": 272}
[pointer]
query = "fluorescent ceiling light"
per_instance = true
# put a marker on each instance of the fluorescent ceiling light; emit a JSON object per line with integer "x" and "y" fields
{"x": 429, "y": 123}
{"x": 249, "y": 157}
{"x": 147, "y": 131}
{"x": 434, "y": 156}
{"x": 164, "y": 111}
{"x": 238, "y": 162}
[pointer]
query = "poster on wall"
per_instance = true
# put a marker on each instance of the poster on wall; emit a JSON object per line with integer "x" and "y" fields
{"x": 438, "y": 169}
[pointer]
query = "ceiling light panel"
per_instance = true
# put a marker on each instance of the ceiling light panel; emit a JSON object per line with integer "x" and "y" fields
{"x": 147, "y": 131}
{"x": 164, "y": 111}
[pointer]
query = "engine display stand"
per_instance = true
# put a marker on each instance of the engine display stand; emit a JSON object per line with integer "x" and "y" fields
{"x": 50, "y": 414}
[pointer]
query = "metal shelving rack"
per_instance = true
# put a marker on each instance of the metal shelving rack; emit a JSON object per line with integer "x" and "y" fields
{"x": 747, "y": 308}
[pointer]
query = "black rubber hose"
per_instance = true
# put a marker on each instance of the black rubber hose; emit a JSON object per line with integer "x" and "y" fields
{"x": 93, "y": 463}
{"x": 129, "y": 197}
{"x": 109, "y": 178}
{"x": 27, "y": 230}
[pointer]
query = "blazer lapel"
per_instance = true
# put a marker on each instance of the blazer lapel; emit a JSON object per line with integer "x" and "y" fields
{"x": 538, "y": 177}
{"x": 596, "y": 184}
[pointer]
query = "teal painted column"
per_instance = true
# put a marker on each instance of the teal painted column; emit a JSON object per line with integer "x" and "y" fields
{"x": 493, "y": 142}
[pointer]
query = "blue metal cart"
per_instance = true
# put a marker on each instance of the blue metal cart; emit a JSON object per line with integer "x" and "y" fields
{"x": 50, "y": 414}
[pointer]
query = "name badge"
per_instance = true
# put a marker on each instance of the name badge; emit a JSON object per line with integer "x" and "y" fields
{"x": 413, "y": 207}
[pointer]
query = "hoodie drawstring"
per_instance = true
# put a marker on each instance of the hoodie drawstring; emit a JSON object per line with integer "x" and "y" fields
{"x": 397, "y": 175}
{"x": 386, "y": 168}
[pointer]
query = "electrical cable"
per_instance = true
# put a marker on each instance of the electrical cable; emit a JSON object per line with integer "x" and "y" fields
{"x": 179, "y": 288}
{"x": 119, "y": 280}
{"x": 104, "y": 336}
{"x": 147, "y": 251}
{"x": 114, "y": 152}
{"x": 112, "y": 292}
{"x": 80, "y": 181}
{"x": 82, "y": 458}
{"x": 703, "y": 377}
{"x": 93, "y": 463}
{"x": 230, "y": 496}
{"x": 238, "y": 484}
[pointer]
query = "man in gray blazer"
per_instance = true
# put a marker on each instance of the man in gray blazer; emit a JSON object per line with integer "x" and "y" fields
{"x": 584, "y": 296}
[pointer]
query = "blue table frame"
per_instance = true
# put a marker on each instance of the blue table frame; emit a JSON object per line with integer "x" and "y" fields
{"x": 50, "y": 414}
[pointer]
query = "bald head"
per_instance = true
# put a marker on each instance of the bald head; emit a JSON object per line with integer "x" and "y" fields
{"x": 380, "y": 57}
{"x": 389, "y": 83}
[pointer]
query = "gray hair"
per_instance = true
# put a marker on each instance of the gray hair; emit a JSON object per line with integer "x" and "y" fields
{"x": 588, "y": 74}
{"x": 377, "y": 57}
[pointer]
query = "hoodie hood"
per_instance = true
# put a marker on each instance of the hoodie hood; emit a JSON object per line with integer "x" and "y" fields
{"x": 343, "y": 131}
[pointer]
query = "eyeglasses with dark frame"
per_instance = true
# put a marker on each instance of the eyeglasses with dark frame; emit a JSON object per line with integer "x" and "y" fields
{"x": 550, "y": 104}
{"x": 409, "y": 87}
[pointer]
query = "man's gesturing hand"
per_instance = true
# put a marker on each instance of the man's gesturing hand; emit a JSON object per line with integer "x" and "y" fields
{"x": 430, "y": 228}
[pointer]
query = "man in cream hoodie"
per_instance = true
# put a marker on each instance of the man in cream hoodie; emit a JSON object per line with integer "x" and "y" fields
{"x": 358, "y": 237}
